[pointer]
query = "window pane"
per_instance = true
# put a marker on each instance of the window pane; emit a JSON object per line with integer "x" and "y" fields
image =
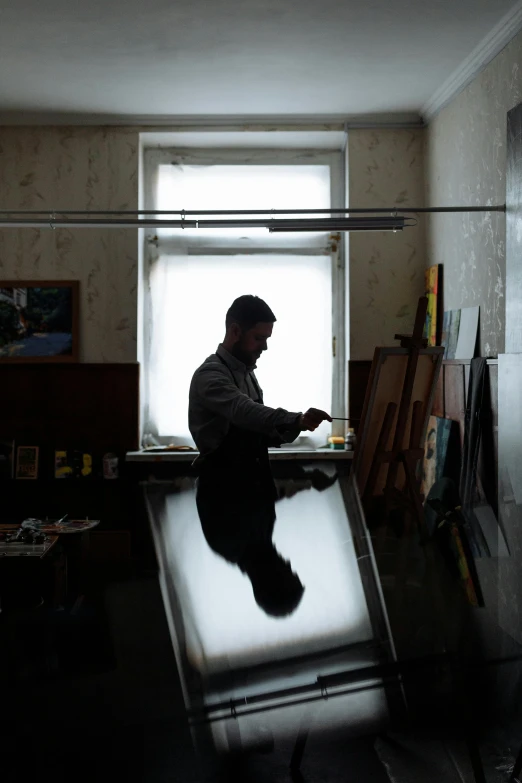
{"x": 242, "y": 188}
{"x": 190, "y": 297}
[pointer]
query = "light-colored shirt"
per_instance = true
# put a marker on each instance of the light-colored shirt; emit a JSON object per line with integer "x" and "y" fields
{"x": 226, "y": 392}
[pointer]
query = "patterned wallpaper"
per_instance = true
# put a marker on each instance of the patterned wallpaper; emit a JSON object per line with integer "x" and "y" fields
{"x": 91, "y": 167}
{"x": 466, "y": 165}
{"x": 386, "y": 271}
{"x": 76, "y": 168}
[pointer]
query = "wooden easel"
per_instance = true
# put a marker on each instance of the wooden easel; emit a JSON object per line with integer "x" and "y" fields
{"x": 409, "y": 497}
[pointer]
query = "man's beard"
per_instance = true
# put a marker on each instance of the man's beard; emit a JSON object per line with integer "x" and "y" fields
{"x": 242, "y": 355}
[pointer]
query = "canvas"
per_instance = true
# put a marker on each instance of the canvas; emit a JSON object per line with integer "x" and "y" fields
{"x": 38, "y": 321}
{"x": 450, "y": 333}
{"x": 437, "y": 451}
{"x": 467, "y": 334}
{"x": 446, "y": 326}
{"x": 433, "y": 291}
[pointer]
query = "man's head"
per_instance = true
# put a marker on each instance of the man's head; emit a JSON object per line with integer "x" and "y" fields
{"x": 277, "y": 589}
{"x": 249, "y": 324}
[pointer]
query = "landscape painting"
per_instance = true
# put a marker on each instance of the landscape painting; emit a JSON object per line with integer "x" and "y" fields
{"x": 450, "y": 332}
{"x": 38, "y": 321}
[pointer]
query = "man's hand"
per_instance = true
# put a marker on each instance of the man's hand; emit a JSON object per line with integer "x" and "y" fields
{"x": 313, "y": 418}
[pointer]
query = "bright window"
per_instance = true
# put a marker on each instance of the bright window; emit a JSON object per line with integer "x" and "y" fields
{"x": 191, "y": 295}
{"x": 195, "y": 274}
{"x": 242, "y": 187}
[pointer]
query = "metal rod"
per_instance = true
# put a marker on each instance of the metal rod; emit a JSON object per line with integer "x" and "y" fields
{"x": 367, "y": 677}
{"x": 336, "y": 227}
{"x": 190, "y": 213}
{"x": 325, "y": 224}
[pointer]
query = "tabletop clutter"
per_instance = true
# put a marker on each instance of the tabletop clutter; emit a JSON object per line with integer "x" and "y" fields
{"x": 34, "y": 534}
{"x": 338, "y": 443}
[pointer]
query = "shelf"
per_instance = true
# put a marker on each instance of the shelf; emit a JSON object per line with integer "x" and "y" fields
{"x": 4, "y": 483}
{"x": 274, "y": 454}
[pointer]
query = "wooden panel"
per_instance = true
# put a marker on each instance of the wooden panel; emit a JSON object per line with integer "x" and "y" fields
{"x": 438, "y": 398}
{"x": 89, "y": 406}
{"x": 358, "y": 377}
{"x": 92, "y": 405}
{"x": 513, "y": 235}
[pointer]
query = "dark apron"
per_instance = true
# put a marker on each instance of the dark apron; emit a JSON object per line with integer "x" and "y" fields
{"x": 236, "y": 494}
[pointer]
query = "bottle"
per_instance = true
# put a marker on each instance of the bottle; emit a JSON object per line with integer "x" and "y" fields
{"x": 349, "y": 441}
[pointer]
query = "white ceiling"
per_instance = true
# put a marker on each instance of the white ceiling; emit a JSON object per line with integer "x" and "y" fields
{"x": 234, "y": 57}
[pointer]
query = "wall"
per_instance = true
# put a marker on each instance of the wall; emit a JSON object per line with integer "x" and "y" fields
{"x": 98, "y": 168}
{"x": 386, "y": 271}
{"x": 466, "y": 165}
{"x": 77, "y": 168}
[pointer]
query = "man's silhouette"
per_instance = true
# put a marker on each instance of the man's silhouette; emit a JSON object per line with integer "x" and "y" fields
{"x": 233, "y": 429}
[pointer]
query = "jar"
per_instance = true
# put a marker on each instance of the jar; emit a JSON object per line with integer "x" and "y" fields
{"x": 349, "y": 441}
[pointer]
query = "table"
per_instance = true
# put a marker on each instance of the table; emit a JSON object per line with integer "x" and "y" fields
{"x": 74, "y": 537}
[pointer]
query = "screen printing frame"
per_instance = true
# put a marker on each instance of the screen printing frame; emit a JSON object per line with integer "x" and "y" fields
{"x": 202, "y": 708}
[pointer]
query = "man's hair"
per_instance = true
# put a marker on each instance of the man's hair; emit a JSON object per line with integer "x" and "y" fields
{"x": 277, "y": 589}
{"x": 247, "y": 311}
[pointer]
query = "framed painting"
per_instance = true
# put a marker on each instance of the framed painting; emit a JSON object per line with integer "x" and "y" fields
{"x": 39, "y": 321}
{"x": 27, "y": 462}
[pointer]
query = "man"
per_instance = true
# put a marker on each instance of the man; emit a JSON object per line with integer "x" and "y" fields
{"x": 233, "y": 429}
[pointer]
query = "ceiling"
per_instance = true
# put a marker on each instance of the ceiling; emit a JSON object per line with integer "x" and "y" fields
{"x": 234, "y": 58}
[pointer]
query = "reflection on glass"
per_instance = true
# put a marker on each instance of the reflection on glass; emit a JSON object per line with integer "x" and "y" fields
{"x": 222, "y": 621}
{"x": 242, "y": 533}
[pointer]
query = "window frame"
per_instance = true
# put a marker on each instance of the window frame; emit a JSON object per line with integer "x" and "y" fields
{"x": 291, "y": 244}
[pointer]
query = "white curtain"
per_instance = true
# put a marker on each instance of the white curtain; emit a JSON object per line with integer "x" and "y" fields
{"x": 187, "y": 296}
{"x": 242, "y": 187}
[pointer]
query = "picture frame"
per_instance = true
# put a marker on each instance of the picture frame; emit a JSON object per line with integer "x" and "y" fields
{"x": 27, "y": 458}
{"x": 39, "y": 321}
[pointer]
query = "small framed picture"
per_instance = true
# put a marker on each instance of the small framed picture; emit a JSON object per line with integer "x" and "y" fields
{"x": 27, "y": 462}
{"x": 39, "y": 321}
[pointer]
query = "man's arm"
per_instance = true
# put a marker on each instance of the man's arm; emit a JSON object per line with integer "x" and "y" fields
{"x": 220, "y": 395}
{"x": 307, "y": 421}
